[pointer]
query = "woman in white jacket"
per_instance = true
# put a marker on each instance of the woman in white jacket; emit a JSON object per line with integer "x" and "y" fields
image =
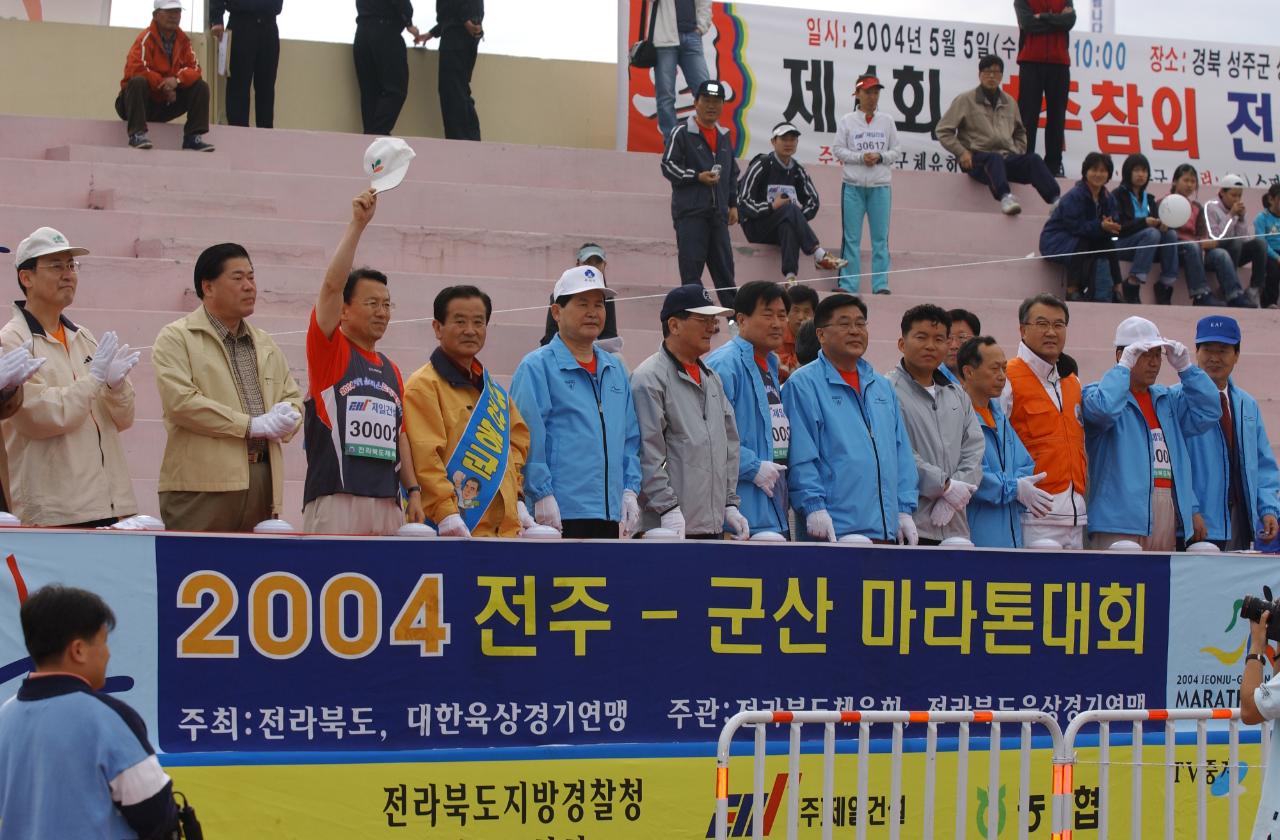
{"x": 867, "y": 145}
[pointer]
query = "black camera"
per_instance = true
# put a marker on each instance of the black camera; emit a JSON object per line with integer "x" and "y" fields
{"x": 1252, "y": 608}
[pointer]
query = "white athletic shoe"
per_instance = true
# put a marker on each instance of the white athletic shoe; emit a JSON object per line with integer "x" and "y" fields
{"x": 1009, "y": 205}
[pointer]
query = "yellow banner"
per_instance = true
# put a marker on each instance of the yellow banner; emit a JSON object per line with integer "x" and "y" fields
{"x": 645, "y": 798}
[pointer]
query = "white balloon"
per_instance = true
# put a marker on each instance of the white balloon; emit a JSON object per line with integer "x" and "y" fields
{"x": 768, "y": 536}
{"x": 856, "y": 539}
{"x": 1203, "y": 548}
{"x": 660, "y": 534}
{"x": 957, "y": 542}
{"x": 1125, "y": 545}
{"x": 416, "y": 529}
{"x": 1175, "y": 210}
{"x": 1046, "y": 543}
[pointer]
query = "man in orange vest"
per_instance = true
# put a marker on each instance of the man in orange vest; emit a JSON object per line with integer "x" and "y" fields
{"x": 1042, "y": 401}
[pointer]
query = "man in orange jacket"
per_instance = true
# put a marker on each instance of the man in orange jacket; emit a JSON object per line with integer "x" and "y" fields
{"x": 162, "y": 80}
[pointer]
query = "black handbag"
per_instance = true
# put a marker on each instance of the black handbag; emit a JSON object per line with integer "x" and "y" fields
{"x": 643, "y": 53}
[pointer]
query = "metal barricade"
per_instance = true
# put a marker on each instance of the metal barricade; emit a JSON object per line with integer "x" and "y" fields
{"x": 1061, "y": 803}
{"x": 1137, "y": 717}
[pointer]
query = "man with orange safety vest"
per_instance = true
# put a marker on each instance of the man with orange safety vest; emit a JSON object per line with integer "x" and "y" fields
{"x": 1042, "y": 401}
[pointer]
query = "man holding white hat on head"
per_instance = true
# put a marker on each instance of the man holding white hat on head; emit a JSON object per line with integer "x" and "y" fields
{"x": 66, "y": 464}
{"x": 162, "y": 81}
{"x": 778, "y": 200}
{"x": 1140, "y": 482}
{"x": 689, "y": 437}
{"x": 583, "y": 470}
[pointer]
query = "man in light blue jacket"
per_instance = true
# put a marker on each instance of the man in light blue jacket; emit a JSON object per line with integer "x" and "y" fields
{"x": 583, "y": 469}
{"x": 1236, "y": 480}
{"x": 1008, "y": 486}
{"x": 748, "y": 368}
{"x": 1140, "y": 485}
{"x": 846, "y": 433}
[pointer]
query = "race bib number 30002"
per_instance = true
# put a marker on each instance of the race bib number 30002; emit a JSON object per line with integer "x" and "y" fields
{"x": 370, "y": 428}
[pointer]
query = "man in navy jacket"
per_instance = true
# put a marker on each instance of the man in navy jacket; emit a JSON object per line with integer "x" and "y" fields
{"x": 700, "y": 164}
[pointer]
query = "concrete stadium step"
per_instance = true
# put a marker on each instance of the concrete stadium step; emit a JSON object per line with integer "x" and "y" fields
{"x": 177, "y": 158}
{"x": 282, "y": 150}
{"x": 190, "y": 203}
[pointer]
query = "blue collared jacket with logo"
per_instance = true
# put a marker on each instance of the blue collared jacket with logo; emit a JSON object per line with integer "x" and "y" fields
{"x": 1211, "y": 469}
{"x": 994, "y": 512}
{"x": 584, "y": 438}
{"x": 1119, "y": 446}
{"x": 841, "y": 442}
{"x": 736, "y": 363}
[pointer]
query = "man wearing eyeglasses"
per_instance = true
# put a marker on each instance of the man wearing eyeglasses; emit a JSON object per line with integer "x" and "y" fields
{"x": 66, "y": 464}
{"x": 357, "y": 454}
{"x": 1042, "y": 401}
{"x": 688, "y": 435}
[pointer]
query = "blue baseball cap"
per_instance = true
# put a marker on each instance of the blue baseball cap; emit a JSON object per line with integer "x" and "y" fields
{"x": 1219, "y": 329}
{"x": 690, "y": 298}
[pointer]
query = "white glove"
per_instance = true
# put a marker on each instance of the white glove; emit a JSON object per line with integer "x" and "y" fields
{"x": 941, "y": 515}
{"x": 673, "y": 520}
{"x": 276, "y": 424}
{"x": 767, "y": 476}
{"x": 958, "y": 493}
{"x": 547, "y": 512}
{"x": 17, "y": 366}
{"x": 820, "y": 526}
{"x": 630, "y": 513}
{"x": 121, "y": 364}
{"x": 1038, "y": 501}
{"x": 453, "y": 526}
{"x": 907, "y": 533}
{"x": 101, "y": 361}
{"x": 523, "y": 517}
{"x": 736, "y": 522}
{"x": 1178, "y": 355}
{"x": 1129, "y": 357}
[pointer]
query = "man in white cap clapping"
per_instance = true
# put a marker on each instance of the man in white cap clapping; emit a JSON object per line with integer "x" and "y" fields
{"x": 66, "y": 464}
{"x": 583, "y": 469}
{"x": 1140, "y": 485}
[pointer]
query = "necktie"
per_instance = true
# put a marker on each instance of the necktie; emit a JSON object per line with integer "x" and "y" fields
{"x": 1228, "y": 430}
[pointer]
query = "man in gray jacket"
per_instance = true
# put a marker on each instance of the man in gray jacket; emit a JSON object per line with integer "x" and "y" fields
{"x": 941, "y": 423}
{"x": 688, "y": 437}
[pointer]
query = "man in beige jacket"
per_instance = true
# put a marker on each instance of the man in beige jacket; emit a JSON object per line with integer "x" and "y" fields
{"x": 229, "y": 403}
{"x": 66, "y": 464}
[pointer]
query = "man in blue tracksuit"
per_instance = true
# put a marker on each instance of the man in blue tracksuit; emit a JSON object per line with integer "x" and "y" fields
{"x": 1236, "y": 480}
{"x": 700, "y": 164}
{"x": 1008, "y": 487}
{"x": 846, "y": 432}
{"x": 1140, "y": 485}
{"x": 583, "y": 468}
{"x": 748, "y": 368}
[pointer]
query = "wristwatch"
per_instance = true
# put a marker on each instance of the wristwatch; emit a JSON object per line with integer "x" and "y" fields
{"x": 1257, "y": 656}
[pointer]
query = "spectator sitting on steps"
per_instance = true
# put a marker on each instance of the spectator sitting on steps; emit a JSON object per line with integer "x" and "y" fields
{"x": 162, "y": 81}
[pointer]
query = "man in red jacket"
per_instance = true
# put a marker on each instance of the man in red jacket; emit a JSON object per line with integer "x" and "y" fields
{"x": 1044, "y": 70}
{"x": 162, "y": 81}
